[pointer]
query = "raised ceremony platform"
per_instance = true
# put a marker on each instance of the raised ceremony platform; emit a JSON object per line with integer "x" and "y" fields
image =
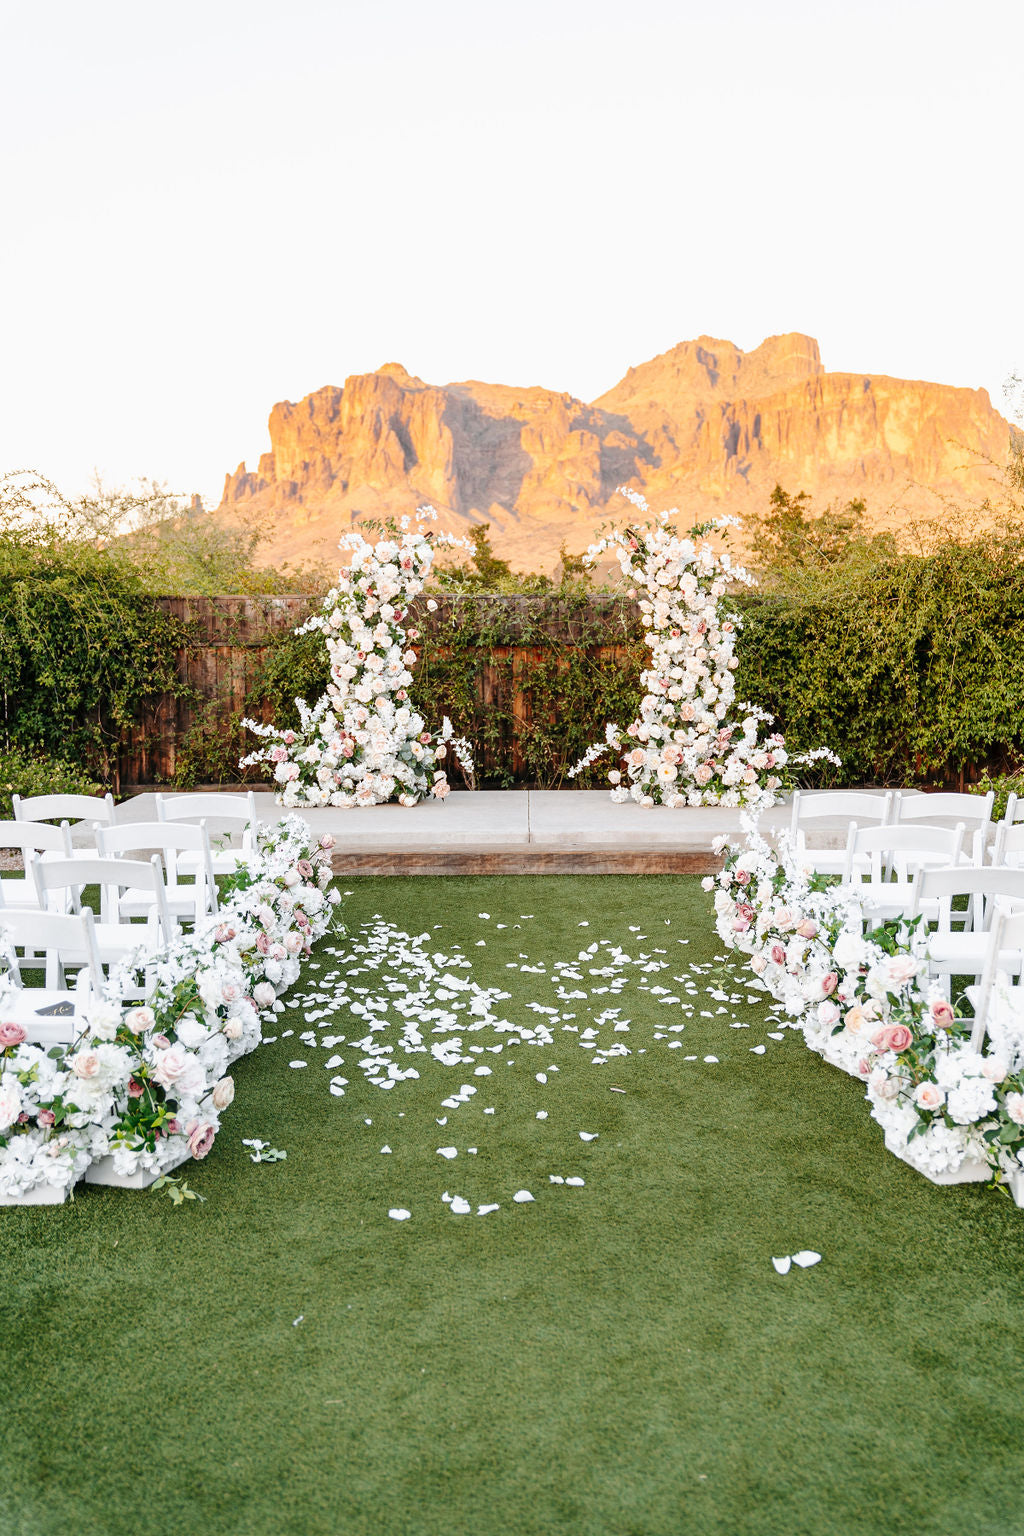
{"x": 510, "y": 831}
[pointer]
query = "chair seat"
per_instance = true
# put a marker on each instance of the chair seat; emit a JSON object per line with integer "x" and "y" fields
{"x": 823, "y": 861}
{"x": 27, "y": 1006}
{"x": 889, "y": 898}
{"x": 225, "y": 860}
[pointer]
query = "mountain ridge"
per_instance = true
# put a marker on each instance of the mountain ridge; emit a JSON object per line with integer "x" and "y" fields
{"x": 704, "y": 426}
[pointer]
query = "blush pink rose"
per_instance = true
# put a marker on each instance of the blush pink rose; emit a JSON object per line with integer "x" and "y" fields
{"x": 11, "y": 1034}
{"x": 829, "y": 983}
{"x": 892, "y": 1037}
{"x": 200, "y": 1138}
{"x": 943, "y": 1016}
{"x": 929, "y": 1096}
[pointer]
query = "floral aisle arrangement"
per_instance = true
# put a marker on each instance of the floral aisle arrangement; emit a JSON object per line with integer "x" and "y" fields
{"x": 142, "y": 1088}
{"x": 863, "y": 1001}
{"x": 692, "y": 744}
{"x": 362, "y": 743}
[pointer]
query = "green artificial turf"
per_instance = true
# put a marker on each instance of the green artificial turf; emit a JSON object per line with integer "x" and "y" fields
{"x": 619, "y": 1359}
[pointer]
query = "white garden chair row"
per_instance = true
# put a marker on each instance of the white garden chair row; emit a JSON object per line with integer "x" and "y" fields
{"x": 43, "y": 848}
{"x": 142, "y": 901}
{"x": 885, "y": 810}
{"x": 902, "y": 864}
{"x": 238, "y": 810}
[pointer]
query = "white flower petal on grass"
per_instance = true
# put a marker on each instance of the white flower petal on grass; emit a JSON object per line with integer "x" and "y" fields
{"x": 443, "y": 1120}
{"x": 711, "y": 1059}
{"x": 459, "y": 1207}
{"x": 542, "y": 1114}
{"x": 775, "y": 1035}
{"x": 758, "y": 1050}
{"x": 385, "y": 1149}
{"x": 589, "y": 1135}
{"x": 480, "y": 943}
{"x": 485, "y": 1210}
{"x": 541, "y": 1077}
{"x": 448, "y": 1152}
{"x": 332, "y": 1062}
{"x": 472, "y": 1151}
{"x": 398, "y": 1213}
{"x": 782, "y": 1265}
{"x": 483, "y": 1072}
{"x": 486, "y": 916}
{"x": 297, "y": 1063}
{"x": 522, "y": 1197}
{"x": 806, "y": 1257}
{"x": 577, "y": 1181}
{"x": 555, "y": 1178}
{"x": 489, "y": 1111}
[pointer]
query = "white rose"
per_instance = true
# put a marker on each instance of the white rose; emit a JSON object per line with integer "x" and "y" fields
{"x": 103, "y": 1021}
{"x": 10, "y": 1102}
{"x": 223, "y": 1093}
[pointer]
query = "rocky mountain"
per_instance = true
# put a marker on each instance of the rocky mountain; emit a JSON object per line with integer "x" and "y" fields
{"x": 705, "y": 427}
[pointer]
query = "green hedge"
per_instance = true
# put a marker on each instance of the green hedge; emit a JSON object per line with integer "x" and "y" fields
{"x": 910, "y": 666}
{"x": 82, "y": 646}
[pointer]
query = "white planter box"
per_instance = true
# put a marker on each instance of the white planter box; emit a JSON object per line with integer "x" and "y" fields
{"x": 102, "y": 1172}
{"x": 971, "y": 1171}
{"x": 40, "y": 1194}
{"x": 1015, "y": 1184}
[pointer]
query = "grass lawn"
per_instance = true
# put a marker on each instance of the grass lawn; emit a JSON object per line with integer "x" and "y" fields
{"x": 616, "y": 1359}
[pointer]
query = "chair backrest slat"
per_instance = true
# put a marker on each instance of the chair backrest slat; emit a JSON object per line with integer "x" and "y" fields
{"x": 89, "y": 808}
{"x": 879, "y": 852}
{"x": 943, "y": 885}
{"x": 68, "y": 937}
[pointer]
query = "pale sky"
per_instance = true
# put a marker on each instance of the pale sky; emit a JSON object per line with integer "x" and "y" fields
{"x": 215, "y": 205}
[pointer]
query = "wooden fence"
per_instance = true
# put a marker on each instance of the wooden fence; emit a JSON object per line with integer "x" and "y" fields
{"x": 232, "y": 637}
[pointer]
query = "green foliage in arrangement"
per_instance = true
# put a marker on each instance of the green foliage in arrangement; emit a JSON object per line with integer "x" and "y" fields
{"x": 24, "y": 772}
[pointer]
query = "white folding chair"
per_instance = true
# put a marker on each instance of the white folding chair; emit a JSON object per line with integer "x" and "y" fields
{"x": 239, "y": 810}
{"x": 190, "y": 903}
{"x": 28, "y": 838}
{"x": 1008, "y": 848}
{"x": 54, "y": 1013}
{"x": 1014, "y": 812}
{"x": 959, "y": 944}
{"x": 117, "y": 936}
{"x": 1005, "y": 954}
{"x": 832, "y": 805}
{"x": 974, "y": 811}
{"x": 882, "y": 862}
